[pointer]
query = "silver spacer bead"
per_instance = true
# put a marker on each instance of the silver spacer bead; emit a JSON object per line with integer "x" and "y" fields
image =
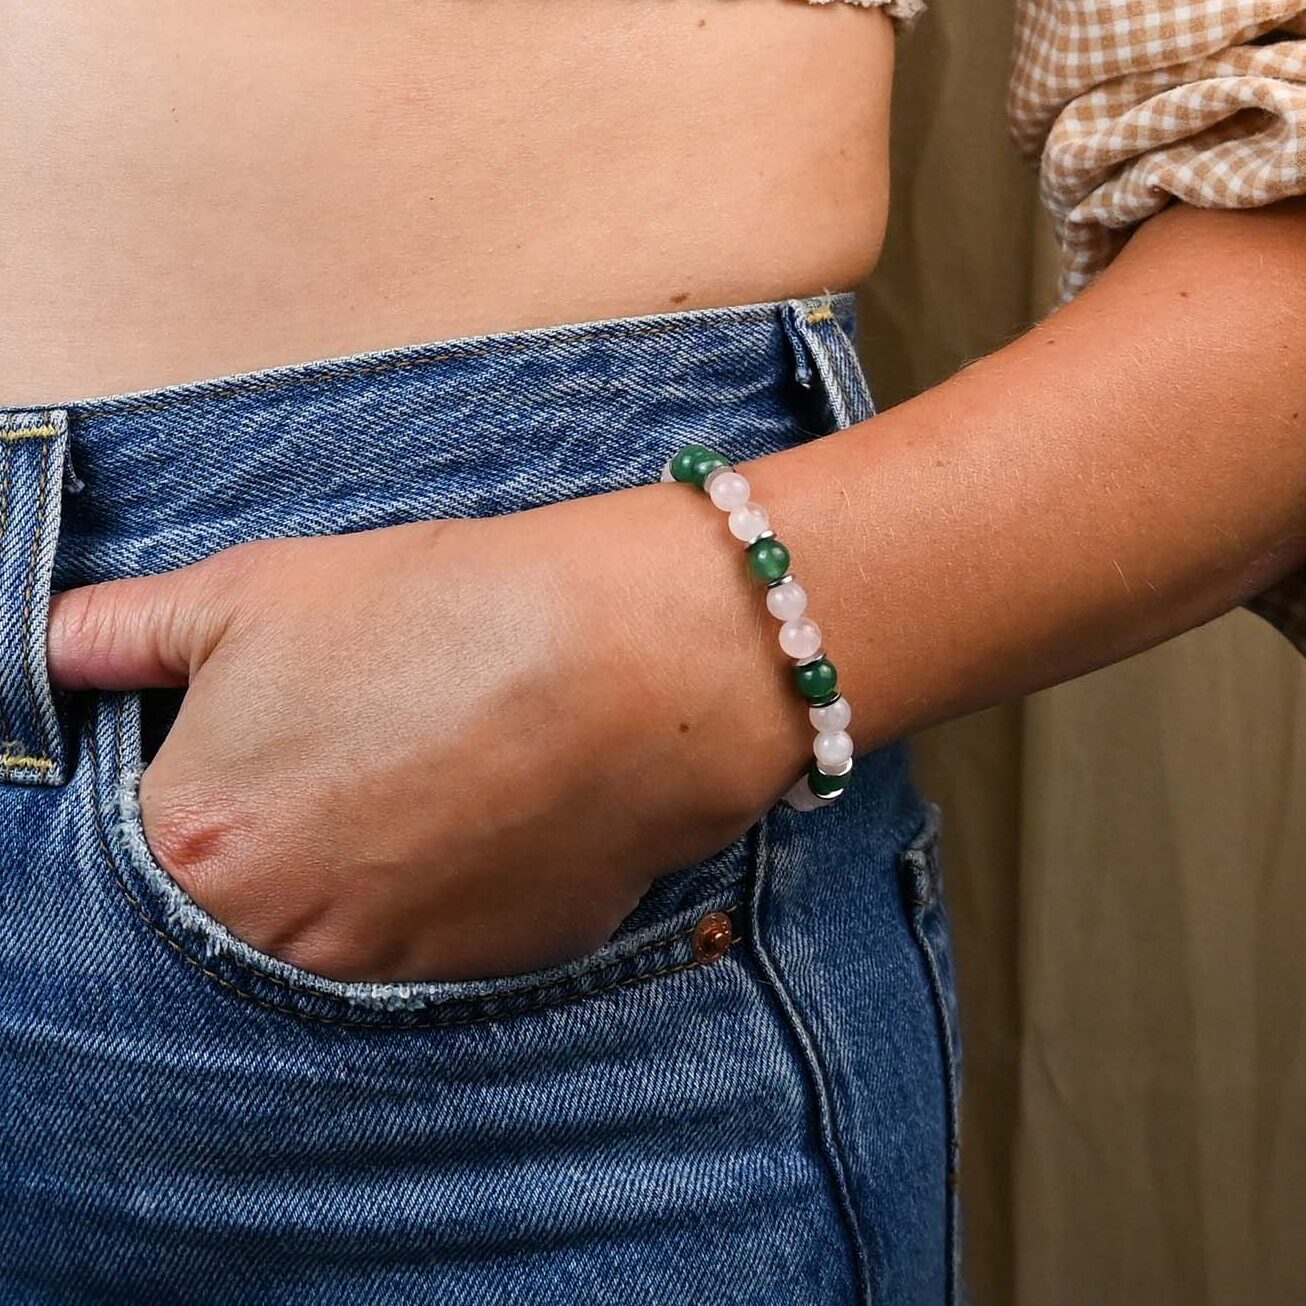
{"x": 846, "y": 769}
{"x": 786, "y": 579}
{"x": 815, "y": 657}
{"x": 761, "y": 535}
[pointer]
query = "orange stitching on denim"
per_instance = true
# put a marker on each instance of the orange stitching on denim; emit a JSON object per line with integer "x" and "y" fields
{"x": 380, "y": 1024}
{"x": 13, "y": 434}
{"x": 823, "y": 314}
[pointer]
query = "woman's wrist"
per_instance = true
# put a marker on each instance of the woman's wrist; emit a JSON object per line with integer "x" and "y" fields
{"x": 668, "y": 590}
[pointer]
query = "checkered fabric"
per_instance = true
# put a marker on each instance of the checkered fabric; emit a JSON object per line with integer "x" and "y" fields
{"x": 1127, "y": 104}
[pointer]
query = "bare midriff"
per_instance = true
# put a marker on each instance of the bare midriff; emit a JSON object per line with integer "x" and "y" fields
{"x": 189, "y": 190}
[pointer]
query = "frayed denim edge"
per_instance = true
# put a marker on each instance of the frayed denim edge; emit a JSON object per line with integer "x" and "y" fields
{"x": 183, "y": 916}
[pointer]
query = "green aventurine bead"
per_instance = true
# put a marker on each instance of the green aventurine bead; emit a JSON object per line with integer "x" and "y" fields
{"x": 708, "y": 461}
{"x": 826, "y": 786}
{"x": 693, "y": 462}
{"x": 685, "y": 460}
{"x": 769, "y": 559}
{"x": 817, "y": 681}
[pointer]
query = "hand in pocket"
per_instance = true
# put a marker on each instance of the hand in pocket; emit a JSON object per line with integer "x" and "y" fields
{"x": 442, "y": 751}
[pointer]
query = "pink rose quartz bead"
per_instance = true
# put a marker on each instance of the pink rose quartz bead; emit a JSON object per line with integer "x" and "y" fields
{"x": 727, "y": 489}
{"x": 832, "y": 748}
{"x": 800, "y": 638}
{"x": 748, "y": 521}
{"x": 832, "y": 717}
{"x": 786, "y": 602}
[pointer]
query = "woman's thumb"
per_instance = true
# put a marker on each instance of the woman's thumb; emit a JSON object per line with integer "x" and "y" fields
{"x": 151, "y": 632}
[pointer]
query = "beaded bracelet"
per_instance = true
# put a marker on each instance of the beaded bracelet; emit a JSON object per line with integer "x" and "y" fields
{"x": 800, "y": 637}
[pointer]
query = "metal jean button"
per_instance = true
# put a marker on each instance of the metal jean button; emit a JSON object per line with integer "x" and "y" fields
{"x": 713, "y": 936}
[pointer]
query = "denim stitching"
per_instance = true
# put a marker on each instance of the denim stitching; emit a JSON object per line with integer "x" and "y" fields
{"x": 29, "y": 676}
{"x": 9, "y": 435}
{"x": 262, "y": 976}
{"x": 376, "y": 1025}
{"x": 923, "y": 854}
{"x": 5, "y": 483}
{"x": 14, "y": 434}
{"x": 18, "y": 762}
{"x": 945, "y": 1041}
{"x": 837, "y": 366}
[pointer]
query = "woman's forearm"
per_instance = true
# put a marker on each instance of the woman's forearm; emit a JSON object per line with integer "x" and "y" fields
{"x": 1131, "y": 468}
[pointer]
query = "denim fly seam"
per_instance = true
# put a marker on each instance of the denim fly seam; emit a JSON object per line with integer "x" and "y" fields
{"x": 33, "y": 450}
{"x": 826, "y": 1125}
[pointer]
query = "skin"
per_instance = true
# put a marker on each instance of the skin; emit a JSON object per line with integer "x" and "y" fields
{"x": 1132, "y": 467}
{"x": 324, "y": 177}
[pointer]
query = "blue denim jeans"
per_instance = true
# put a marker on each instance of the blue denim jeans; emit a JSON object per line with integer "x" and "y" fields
{"x": 183, "y": 1118}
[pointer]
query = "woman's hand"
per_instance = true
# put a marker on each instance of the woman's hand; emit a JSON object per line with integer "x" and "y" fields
{"x": 448, "y": 750}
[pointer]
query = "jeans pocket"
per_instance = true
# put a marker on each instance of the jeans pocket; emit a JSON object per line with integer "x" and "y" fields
{"x": 686, "y": 920}
{"x": 921, "y": 871}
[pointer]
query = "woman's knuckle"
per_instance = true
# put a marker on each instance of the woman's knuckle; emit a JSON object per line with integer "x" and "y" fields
{"x": 191, "y": 836}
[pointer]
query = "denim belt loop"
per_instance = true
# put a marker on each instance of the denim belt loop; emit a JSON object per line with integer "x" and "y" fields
{"x": 33, "y": 449}
{"x": 820, "y": 342}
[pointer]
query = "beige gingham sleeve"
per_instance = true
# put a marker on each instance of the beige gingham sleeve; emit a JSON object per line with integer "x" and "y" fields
{"x": 1128, "y": 104}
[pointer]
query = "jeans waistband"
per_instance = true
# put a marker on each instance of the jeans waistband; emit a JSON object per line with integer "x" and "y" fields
{"x": 144, "y": 482}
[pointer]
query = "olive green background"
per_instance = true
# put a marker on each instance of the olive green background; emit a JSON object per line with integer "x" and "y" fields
{"x": 1125, "y": 855}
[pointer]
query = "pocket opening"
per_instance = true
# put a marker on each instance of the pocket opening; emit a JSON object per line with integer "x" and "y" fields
{"x": 158, "y": 709}
{"x": 656, "y": 944}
